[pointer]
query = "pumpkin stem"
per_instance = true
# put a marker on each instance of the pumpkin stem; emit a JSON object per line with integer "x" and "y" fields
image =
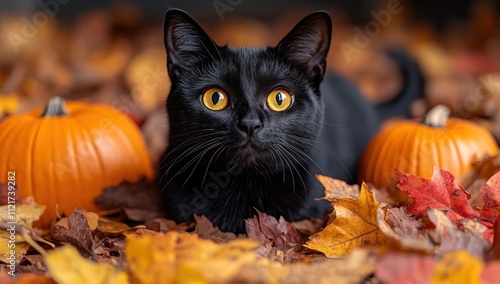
{"x": 437, "y": 116}
{"x": 55, "y": 107}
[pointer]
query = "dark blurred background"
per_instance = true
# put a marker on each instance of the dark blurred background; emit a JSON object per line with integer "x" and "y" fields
{"x": 112, "y": 51}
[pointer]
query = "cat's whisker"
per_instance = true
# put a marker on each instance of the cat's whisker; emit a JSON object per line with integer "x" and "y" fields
{"x": 199, "y": 144}
{"x": 322, "y": 147}
{"x": 214, "y": 145}
{"x": 214, "y": 156}
{"x": 293, "y": 165}
{"x": 301, "y": 153}
{"x": 193, "y": 140}
{"x": 196, "y": 159}
{"x": 289, "y": 164}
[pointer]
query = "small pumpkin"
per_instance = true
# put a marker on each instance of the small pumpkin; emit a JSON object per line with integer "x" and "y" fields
{"x": 66, "y": 154}
{"x": 415, "y": 147}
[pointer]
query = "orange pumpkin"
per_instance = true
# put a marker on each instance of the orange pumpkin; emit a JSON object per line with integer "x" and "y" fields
{"x": 415, "y": 147}
{"x": 67, "y": 153}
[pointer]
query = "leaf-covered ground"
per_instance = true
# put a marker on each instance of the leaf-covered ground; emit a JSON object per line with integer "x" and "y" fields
{"x": 437, "y": 231}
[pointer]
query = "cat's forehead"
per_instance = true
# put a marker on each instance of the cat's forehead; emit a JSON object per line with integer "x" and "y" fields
{"x": 254, "y": 59}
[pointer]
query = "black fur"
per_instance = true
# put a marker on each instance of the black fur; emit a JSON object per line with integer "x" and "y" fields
{"x": 225, "y": 164}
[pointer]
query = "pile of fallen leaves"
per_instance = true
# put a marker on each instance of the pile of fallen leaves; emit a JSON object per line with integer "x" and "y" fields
{"x": 426, "y": 230}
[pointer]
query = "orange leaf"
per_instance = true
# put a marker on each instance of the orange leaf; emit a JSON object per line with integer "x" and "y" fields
{"x": 354, "y": 227}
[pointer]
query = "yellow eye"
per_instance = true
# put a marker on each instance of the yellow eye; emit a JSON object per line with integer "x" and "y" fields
{"x": 215, "y": 99}
{"x": 279, "y": 100}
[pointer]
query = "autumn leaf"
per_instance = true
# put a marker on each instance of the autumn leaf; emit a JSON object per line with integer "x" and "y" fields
{"x": 78, "y": 232}
{"x": 66, "y": 266}
{"x": 490, "y": 210}
{"x": 399, "y": 268}
{"x": 354, "y": 268}
{"x": 458, "y": 267}
{"x": 27, "y": 213}
{"x": 206, "y": 230}
{"x": 336, "y": 189}
{"x": 265, "y": 228}
{"x": 13, "y": 225}
{"x": 354, "y": 227}
{"x": 184, "y": 257}
{"x": 441, "y": 191}
{"x": 449, "y": 238}
{"x": 139, "y": 195}
{"x": 404, "y": 229}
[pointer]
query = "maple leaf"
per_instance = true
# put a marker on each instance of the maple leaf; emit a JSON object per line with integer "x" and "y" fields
{"x": 490, "y": 210}
{"x": 355, "y": 226}
{"x": 336, "y": 189}
{"x": 442, "y": 191}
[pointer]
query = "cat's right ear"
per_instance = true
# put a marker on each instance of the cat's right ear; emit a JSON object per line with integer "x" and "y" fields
{"x": 185, "y": 41}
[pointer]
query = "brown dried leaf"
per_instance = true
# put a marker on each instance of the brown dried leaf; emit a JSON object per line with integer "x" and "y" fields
{"x": 164, "y": 225}
{"x": 92, "y": 220}
{"x": 405, "y": 223}
{"x": 450, "y": 238}
{"x": 142, "y": 215}
{"x": 308, "y": 227}
{"x": 482, "y": 170}
{"x": 401, "y": 231}
{"x": 206, "y": 230}
{"x": 131, "y": 195}
{"x": 265, "y": 228}
{"x": 78, "y": 233}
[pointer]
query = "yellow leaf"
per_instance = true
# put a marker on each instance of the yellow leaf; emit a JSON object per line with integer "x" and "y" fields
{"x": 25, "y": 214}
{"x": 66, "y": 266}
{"x": 109, "y": 226}
{"x": 336, "y": 189}
{"x": 16, "y": 218}
{"x": 355, "y": 226}
{"x": 12, "y": 247}
{"x": 458, "y": 267}
{"x": 184, "y": 257}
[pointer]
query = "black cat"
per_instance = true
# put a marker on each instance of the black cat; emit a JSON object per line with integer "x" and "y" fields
{"x": 249, "y": 127}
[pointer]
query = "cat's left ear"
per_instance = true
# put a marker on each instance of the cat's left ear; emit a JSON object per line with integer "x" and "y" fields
{"x": 185, "y": 41}
{"x": 308, "y": 43}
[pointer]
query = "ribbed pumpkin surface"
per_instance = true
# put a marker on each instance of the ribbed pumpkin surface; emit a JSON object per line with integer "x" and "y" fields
{"x": 415, "y": 148}
{"x": 68, "y": 160}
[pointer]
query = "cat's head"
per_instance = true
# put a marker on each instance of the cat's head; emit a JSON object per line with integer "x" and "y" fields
{"x": 253, "y": 106}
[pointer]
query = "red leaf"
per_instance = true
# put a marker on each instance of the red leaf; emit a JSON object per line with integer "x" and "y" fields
{"x": 442, "y": 191}
{"x": 490, "y": 194}
{"x": 395, "y": 268}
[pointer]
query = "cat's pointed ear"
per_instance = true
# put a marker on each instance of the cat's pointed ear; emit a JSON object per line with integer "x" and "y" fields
{"x": 185, "y": 41}
{"x": 308, "y": 43}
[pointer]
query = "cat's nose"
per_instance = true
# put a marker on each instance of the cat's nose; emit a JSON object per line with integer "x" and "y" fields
{"x": 250, "y": 125}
